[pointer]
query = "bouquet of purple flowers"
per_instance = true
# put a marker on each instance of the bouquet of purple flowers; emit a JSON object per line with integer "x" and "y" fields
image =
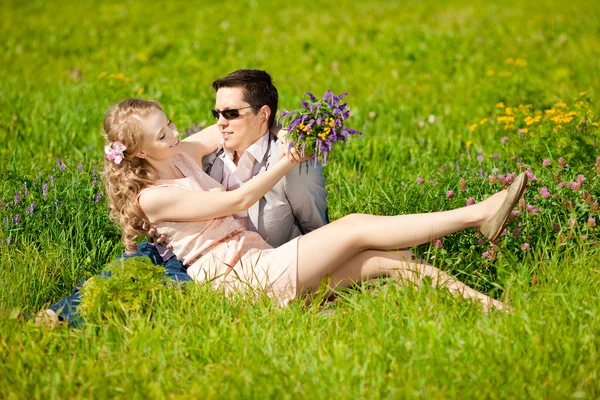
{"x": 318, "y": 125}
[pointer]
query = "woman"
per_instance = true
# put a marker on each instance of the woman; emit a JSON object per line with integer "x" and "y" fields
{"x": 154, "y": 178}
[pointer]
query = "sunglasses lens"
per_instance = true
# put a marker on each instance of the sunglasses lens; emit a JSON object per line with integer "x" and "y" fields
{"x": 230, "y": 114}
{"x": 215, "y": 113}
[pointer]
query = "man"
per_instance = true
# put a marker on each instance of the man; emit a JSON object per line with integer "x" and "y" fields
{"x": 245, "y": 109}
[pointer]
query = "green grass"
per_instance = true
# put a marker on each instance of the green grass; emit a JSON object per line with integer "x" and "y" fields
{"x": 400, "y": 63}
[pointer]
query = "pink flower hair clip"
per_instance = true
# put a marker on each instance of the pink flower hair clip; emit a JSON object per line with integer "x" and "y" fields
{"x": 114, "y": 151}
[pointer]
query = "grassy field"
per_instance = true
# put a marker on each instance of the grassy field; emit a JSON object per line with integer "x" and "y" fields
{"x": 452, "y": 97}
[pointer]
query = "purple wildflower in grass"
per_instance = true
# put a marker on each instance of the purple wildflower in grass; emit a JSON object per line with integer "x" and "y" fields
{"x": 573, "y": 222}
{"x": 450, "y": 193}
{"x": 504, "y": 232}
{"x": 544, "y": 192}
{"x": 15, "y": 219}
{"x": 480, "y": 156}
{"x": 555, "y": 227}
{"x": 584, "y": 237}
{"x": 514, "y": 213}
{"x": 79, "y": 166}
{"x": 470, "y": 201}
{"x": 95, "y": 178}
{"x": 30, "y": 209}
{"x": 511, "y": 177}
{"x": 533, "y": 209}
{"x": 516, "y": 232}
{"x": 61, "y": 165}
{"x": 17, "y": 198}
{"x": 496, "y": 156}
{"x": 25, "y": 188}
{"x": 562, "y": 162}
{"x": 546, "y": 162}
{"x": 98, "y": 197}
{"x": 581, "y": 178}
{"x": 437, "y": 243}
{"x": 480, "y": 241}
{"x": 591, "y": 222}
{"x": 576, "y": 186}
{"x": 504, "y": 140}
{"x": 45, "y": 190}
{"x": 8, "y": 241}
{"x": 420, "y": 180}
{"x": 525, "y": 246}
{"x": 56, "y": 203}
{"x": 51, "y": 177}
{"x": 561, "y": 185}
{"x": 531, "y": 176}
{"x": 489, "y": 255}
{"x": 501, "y": 177}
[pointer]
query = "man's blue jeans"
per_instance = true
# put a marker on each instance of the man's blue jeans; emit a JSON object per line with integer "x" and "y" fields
{"x": 66, "y": 308}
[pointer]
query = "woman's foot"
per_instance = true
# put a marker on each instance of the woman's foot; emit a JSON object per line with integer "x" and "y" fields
{"x": 494, "y": 226}
{"x": 47, "y": 319}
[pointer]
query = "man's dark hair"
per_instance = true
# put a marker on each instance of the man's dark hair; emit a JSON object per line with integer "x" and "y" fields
{"x": 257, "y": 88}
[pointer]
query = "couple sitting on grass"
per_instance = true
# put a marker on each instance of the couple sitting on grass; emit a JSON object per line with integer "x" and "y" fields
{"x": 252, "y": 221}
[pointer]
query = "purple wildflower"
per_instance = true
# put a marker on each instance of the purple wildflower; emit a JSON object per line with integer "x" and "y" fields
{"x": 420, "y": 180}
{"x": 79, "y": 166}
{"x": 555, "y": 227}
{"x": 544, "y": 192}
{"x": 98, "y": 197}
{"x": 437, "y": 243}
{"x": 30, "y": 209}
{"x": 561, "y": 185}
{"x": 45, "y": 190}
{"x": 525, "y": 246}
{"x": 16, "y": 219}
{"x": 591, "y": 222}
{"x": 51, "y": 177}
{"x": 17, "y": 198}
{"x": 496, "y": 156}
{"x": 8, "y": 241}
{"x": 480, "y": 241}
{"x": 546, "y": 162}
{"x": 450, "y": 193}
{"x": 532, "y": 209}
{"x": 581, "y": 178}
{"x": 480, "y": 156}
{"x": 562, "y": 162}
{"x": 489, "y": 254}
{"x": 95, "y": 178}
{"x": 470, "y": 201}
{"x": 584, "y": 237}
{"x": 505, "y": 139}
{"x": 25, "y": 188}
{"x": 576, "y": 186}
{"x": 61, "y": 165}
{"x": 516, "y": 232}
{"x": 56, "y": 203}
{"x": 573, "y": 222}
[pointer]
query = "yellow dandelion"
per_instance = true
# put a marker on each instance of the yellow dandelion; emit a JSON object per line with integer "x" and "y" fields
{"x": 582, "y": 94}
{"x": 483, "y": 121}
{"x": 595, "y": 124}
{"x": 103, "y": 74}
{"x": 469, "y": 143}
{"x": 519, "y": 62}
{"x": 509, "y": 126}
{"x": 473, "y": 127}
{"x": 141, "y": 90}
{"x": 508, "y": 111}
{"x": 490, "y": 72}
{"x": 120, "y": 75}
{"x": 500, "y": 105}
{"x": 560, "y": 105}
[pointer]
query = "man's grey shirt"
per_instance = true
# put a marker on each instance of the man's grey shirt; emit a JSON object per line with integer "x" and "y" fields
{"x": 296, "y": 205}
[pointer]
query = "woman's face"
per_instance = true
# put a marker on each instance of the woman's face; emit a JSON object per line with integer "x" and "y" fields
{"x": 161, "y": 139}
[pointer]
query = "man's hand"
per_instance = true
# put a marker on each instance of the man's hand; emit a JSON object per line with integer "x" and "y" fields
{"x": 154, "y": 238}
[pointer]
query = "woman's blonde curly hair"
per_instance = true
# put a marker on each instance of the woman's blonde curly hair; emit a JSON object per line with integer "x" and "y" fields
{"x": 124, "y": 181}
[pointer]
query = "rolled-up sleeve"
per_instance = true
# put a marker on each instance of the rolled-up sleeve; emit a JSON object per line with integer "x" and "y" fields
{"x": 306, "y": 193}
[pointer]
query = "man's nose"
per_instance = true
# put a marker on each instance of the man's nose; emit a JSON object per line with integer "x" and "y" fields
{"x": 221, "y": 120}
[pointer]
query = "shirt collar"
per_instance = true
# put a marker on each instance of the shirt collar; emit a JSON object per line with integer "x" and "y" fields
{"x": 257, "y": 149}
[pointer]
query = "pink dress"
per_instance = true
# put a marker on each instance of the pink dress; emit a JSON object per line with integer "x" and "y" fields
{"x": 222, "y": 252}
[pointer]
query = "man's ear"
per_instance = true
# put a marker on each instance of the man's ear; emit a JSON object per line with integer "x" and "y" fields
{"x": 265, "y": 112}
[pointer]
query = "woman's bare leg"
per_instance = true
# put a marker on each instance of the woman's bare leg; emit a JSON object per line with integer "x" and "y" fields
{"x": 325, "y": 250}
{"x": 371, "y": 264}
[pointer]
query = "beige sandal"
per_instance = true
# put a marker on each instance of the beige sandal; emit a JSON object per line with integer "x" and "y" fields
{"x": 495, "y": 225}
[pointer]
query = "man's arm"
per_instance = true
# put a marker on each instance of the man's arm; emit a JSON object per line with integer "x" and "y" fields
{"x": 306, "y": 193}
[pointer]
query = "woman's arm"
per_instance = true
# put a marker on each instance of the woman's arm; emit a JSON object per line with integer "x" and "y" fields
{"x": 202, "y": 143}
{"x": 175, "y": 204}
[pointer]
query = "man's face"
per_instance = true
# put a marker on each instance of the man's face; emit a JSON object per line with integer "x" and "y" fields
{"x": 239, "y": 133}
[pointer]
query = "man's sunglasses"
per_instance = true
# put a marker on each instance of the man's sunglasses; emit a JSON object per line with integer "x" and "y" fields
{"x": 228, "y": 114}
